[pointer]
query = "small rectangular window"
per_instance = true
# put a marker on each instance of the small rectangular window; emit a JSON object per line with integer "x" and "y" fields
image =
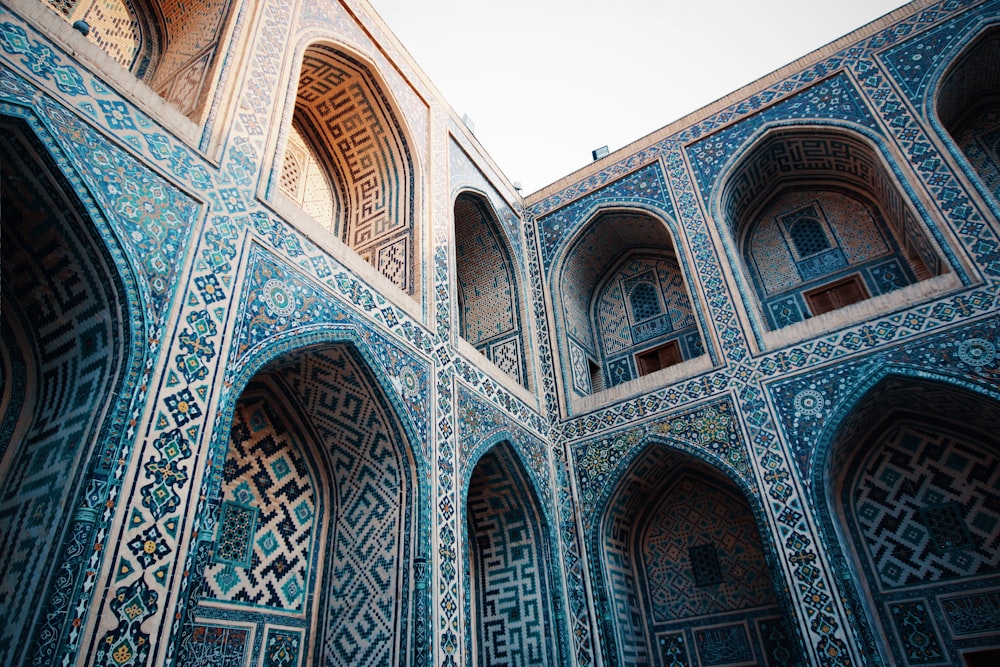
{"x": 836, "y": 295}
{"x": 596, "y": 377}
{"x": 653, "y": 360}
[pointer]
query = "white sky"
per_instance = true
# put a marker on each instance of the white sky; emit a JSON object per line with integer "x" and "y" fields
{"x": 547, "y": 81}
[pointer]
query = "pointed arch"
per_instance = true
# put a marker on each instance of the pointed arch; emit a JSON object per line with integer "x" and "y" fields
{"x": 905, "y": 483}
{"x": 348, "y": 162}
{"x": 820, "y": 222}
{"x": 71, "y": 350}
{"x": 678, "y": 553}
{"x": 510, "y": 585}
{"x": 606, "y": 341}
{"x": 967, "y": 105}
{"x": 491, "y": 313}
{"x": 320, "y": 492}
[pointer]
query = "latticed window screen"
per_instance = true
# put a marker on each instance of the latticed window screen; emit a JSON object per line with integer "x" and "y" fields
{"x": 705, "y": 565}
{"x": 644, "y": 302}
{"x": 808, "y": 235}
{"x": 947, "y": 526}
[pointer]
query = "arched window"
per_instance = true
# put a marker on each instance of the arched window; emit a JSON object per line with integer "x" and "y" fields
{"x": 807, "y": 234}
{"x": 625, "y": 303}
{"x": 821, "y": 224}
{"x": 968, "y": 106}
{"x": 346, "y": 163}
{"x": 644, "y": 302}
{"x": 489, "y": 303}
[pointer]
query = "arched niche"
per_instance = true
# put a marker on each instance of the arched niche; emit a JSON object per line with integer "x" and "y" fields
{"x": 820, "y": 223}
{"x": 623, "y": 302}
{"x": 174, "y": 47}
{"x": 510, "y": 583}
{"x": 316, "y": 531}
{"x": 968, "y": 106}
{"x": 66, "y": 354}
{"x": 490, "y": 314}
{"x": 683, "y": 575}
{"x": 908, "y": 486}
{"x": 347, "y": 163}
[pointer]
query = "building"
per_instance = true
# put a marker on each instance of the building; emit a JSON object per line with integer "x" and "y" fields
{"x": 293, "y": 375}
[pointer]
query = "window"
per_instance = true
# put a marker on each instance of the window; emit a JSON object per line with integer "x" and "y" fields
{"x": 596, "y": 377}
{"x": 807, "y": 235}
{"x": 644, "y": 302}
{"x": 836, "y": 295}
{"x": 659, "y": 357}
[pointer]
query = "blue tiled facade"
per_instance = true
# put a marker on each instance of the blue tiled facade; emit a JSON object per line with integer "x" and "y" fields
{"x": 726, "y": 397}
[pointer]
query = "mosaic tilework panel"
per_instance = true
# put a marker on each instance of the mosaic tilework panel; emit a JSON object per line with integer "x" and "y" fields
{"x": 644, "y": 300}
{"x": 845, "y": 225}
{"x": 488, "y": 293}
{"x": 513, "y": 617}
{"x": 972, "y": 614}
{"x": 367, "y": 588}
{"x": 914, "y": 470}
{"x": 219, "y": 646}
{"x": 268, "y": 518}
{"x": 917, "y": 634}
{"x": 810, "y": 401}
{"x": 480, "y": 424}
{"x": 305, "y": 181}
{"x": 725, "y": 645}
{"x": 617, "y": 531}
{"x": 129, "y": 194}
{"x": 356, "y": 127}
{"x": 486, "y": 289}
{"x": 593, "y": 257}
{"x": 980, "y": 142}
{"x": 835, "y": 98}
{"x": 673, "y": 650}
{"x": 60, "y": 287}
{"x": 779, "y": 645}
{"x": 282, "y": 301}
{"x": 645, "y": 188}
{"x": 709, "y": 431}
{"x": 692, "y": 514}
{"x": 282, "y": 648}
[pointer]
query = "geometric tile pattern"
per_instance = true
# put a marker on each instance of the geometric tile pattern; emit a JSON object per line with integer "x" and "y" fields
{"x": 366, "y": 591}
{"x": 508, "y": 559}
{"x": 644, "y": 303}
{"x": 880, "y": 85}
{"x": 356, "y": 128}
{"x": 61, "y": 294}
{"x": 487, "y": 290}
{"x": 646, "y": 552}
{"x": 726, "y": 645}
{"x": 919, "y": 472}
{"x": 267, "y": 527}
{"x": 691, "y": 516}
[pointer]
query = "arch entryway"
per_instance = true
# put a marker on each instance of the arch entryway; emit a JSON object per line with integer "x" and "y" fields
{"x": 683, "y": 573}
{"x": 909, "y": 488}
{"x": 315, "y": 542}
